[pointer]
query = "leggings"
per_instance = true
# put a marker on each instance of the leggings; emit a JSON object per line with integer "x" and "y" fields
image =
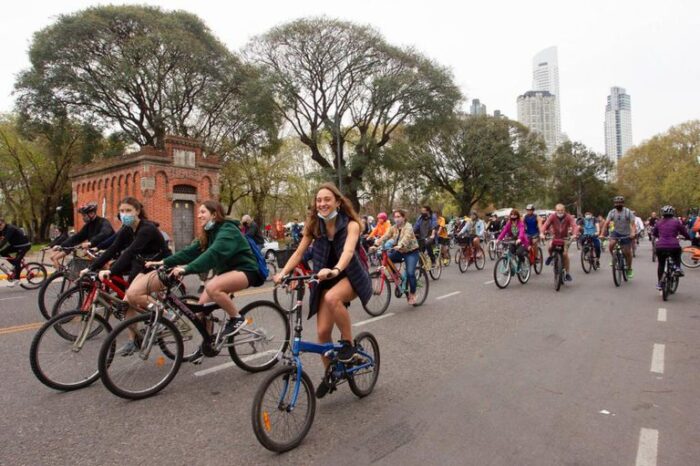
{"x": 662, "y": 254}
{"x": 411, "y": 263}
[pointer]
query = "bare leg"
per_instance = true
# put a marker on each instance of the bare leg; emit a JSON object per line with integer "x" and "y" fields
{"x": 332, "y": 311}
{"x": 219, "y": 287}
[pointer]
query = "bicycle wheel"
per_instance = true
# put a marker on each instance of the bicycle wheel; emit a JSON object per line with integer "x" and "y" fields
{"x": 479, "y": 258}
{"x": 266, "y": 335}
{"x": 462, "y": 262}
{"x": 278, "y": 426}
{"x": 501, "y": 272}
{"x": 272, "y": 269}
{"x": 285, "y": 296}
{"x": 192, "y": 340}
{"x": 458, "y": 253}
{"x": 617, "y": 273}
{"x": 381, "y": 294}
{"x": 436, "y": 269}
{"x": 665, "y": 288}
{"x": 524, "y": 272}
{"x": 363, "y": 381}
{"x": 64, "y": 364}
{"x": 71, "y": 299}
{"x": 687, "y": 258}
{"x": 34, "y": 276}
{"x": 585, "y": 260}
{"x": 492, "y": 250}
{"x": 674, "y": 284}
{"x": 557, "y": 271}
{"x": 51, "y": 290}
{"x": 623, "y": 267}
{"x": 147, "y": 370}
{"x": 422, "y": 286}
{"x": 539, "y": 261}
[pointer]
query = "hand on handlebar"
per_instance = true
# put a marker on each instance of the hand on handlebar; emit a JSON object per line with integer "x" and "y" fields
{"x": 153, "y": 264}
{"x": 327, "y": 274}
{"x": 84, "y": 271}
{"x": 177, "y": 271}
{"x": 104, "y": 274}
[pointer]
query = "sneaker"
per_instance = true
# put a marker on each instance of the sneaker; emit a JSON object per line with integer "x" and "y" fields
{"x": 597, "y": 263}
{"x": 630, "y": 274}
{"x": 679, "y": 272}
{"x": 11, "y": 283}
{"x": 322, "y": 389}
{"x": 659, "y": 286}
{"x": 549, "y": 260}
{"x": 568, "y": 278}
{"x": 233, "y": 325}
{"x": 347, "y": 352}
{"x": 128, "y": 349}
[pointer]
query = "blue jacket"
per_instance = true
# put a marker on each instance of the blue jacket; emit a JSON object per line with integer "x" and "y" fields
{"x": 433, "y": 224}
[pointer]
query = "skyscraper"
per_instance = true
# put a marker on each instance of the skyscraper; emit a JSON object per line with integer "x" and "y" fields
{"x": 477, "y": 108}
{"x": 537, "y": 111}
{"x": 545, "y": 77}
{"x": 618, "y": 124}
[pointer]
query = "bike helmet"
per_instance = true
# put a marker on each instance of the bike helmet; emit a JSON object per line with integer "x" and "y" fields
{"x": 668, "y": 211}
{"x": 382, "y": 216}
{"x": 530, "y": 207}
{"x": 619, "y": 199}
{"x": 87, "y": 208}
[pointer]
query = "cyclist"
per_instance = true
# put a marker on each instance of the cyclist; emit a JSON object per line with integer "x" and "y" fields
{"x": 425, "y": 230}
{"x": 252, "y": 230}
{"x": 222, "y": 247}
{"x": 624, "y": 229}
{"x": 137, "y": 237}
{"x": 405, "y": 248}
{"x": 495, "y": 225}
{"x": 443, "y": 238}
{"x": 667, "y": 231}
{"x": 533, "y": 224}
{"x": 334, "y": 228}
{"x": 591, "y": 229}
{"x": 560, "y": 223}
{"x": 13, "y": 240}
{"x": 515, "y": 229}
{"x": 381, "y": 229}
{"x": 651, "y": 223}
{"x": 639, "y": 227}
{"x": 95, "y": 230}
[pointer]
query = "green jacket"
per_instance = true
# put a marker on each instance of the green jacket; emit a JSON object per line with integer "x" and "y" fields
{"x": 227, "y": 250}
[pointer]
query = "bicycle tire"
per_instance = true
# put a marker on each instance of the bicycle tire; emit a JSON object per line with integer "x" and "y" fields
{"x": 242, "y": 338}
{"x": 665, "y": 289}
{"x": 623, "y": 267}
{"x": 435, "y": 269}
{"x": 38, "y": 351}
{"x": 557, "y": 271}
{"x": 381, "y": 294}
{"x": 617, "y": 275}
{"x": 585, "y": 263}
{"x": 462, "y": 263}
{"x": 674, "y": 284}
{"x": 479, "y": 258}
{"x": 422, "y": 286}
{"x": 190, "y": 352}
{"x": 34, "y": 275}
{"x": 502, "y": 269}
{"x": 265, "y": 406}
{"x": 48, "y": 295}
{"x": 687, "y": 258}
{"x": 366, "y": 386}
{"x": 539, "y": 261}
{"x": 524, "y": 272}
{"x": 107, "y": 359}
{"x": 286, "y": 294}
{"x": 70, "y": 299}
{"x": 458, "y": 253}
{"x": 492, "y": 250}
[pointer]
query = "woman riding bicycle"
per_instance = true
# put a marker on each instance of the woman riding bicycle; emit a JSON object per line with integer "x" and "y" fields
{"x": 405, "y": 248}
{"x": 221, "y": 247}
{"x": 334, "y": 227}
{"x": 667, "y": 230}
{"x": 515, "y": 230}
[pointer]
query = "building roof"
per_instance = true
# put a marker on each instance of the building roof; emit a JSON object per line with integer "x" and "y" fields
{"x": 536, "y": 93}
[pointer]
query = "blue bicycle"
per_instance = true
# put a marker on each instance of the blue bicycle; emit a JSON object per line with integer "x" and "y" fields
{"x": 284, "y": 406}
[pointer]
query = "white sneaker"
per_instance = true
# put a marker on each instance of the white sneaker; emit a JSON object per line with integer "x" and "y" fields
{"x": 12, "y": 283}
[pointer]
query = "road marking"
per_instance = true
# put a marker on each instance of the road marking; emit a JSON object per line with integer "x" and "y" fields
{"x": 648, "y": 447}
{"x": 662, "y": 314}
{"x": 657, "y": 358}
{"x": 454, "y": 293}
{"x": 373, "y": 319}
{"x": 20, "y": 328}
{"x": 226, "y": 365}
{"x": 488, "y": 282}
{"x": 14, "y": 297}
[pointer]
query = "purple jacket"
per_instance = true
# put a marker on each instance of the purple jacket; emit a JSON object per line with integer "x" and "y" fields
{"x": 668, "y": 230}
{"x": 522, "y": 236}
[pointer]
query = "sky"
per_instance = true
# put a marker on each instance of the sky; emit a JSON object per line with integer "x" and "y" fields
{"x": 650, "y": 48}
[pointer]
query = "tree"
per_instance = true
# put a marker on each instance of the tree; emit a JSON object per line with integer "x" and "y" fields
{"x": 143, "y": 70}
{"x": 336, "y": 78}
{"x": 663, "y": 170}
{"x": 579, "y": 178}
{"x": 479, "y": 159}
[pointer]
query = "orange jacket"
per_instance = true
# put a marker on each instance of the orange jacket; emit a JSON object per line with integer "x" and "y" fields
{"x": 380, "y": 230}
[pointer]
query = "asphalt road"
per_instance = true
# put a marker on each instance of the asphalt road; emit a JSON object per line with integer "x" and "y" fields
{"x": 591, "y": 375}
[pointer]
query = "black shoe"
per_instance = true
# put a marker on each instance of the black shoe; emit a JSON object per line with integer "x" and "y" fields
{"x": 347, "y": 352}
{"x": 549, "y": 260}
{"x": 322, "y": 389}
{"x": 568, "y": 278}
{"x": 233, "y": 325}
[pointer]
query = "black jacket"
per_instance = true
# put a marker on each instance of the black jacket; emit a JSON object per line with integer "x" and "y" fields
{"x": 13, "y": 236}
{"x": 95, "y": 231}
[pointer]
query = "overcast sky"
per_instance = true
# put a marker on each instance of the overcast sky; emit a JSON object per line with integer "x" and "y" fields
{"x": 650, "y": 48}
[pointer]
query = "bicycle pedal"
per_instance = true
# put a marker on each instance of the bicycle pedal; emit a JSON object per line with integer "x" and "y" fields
{"x": 198, "y": 361}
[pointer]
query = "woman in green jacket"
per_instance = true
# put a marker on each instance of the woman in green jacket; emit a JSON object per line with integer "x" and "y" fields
{"x": 220, "y": 247}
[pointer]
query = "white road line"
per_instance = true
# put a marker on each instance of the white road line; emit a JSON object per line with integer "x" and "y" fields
{"x": 488, "y": 283}
{"x": 662, "y": 314}
{"x": 657, "y": 358}
{"x": 14, "y": 297}
{"x": 373, "y": 319}
{"x": 226, "y": 365}
{"x": 454, "y": 293}
{"x": 648, "y": 447}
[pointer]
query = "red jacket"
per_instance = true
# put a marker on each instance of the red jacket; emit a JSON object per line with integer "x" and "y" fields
{"x": 560, "y": 228}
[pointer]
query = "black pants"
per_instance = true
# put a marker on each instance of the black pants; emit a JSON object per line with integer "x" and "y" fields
{"x": 519, "y": 250}
{"x": 662, "y": 254}
{"x": 17, "y": 260}
{"x": 427, "y": 246}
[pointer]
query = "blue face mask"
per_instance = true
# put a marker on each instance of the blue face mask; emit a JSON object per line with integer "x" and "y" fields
{"x": 127, "y": 219}
{"x": 328, "y": 217}
{"x": 209, "y": 225}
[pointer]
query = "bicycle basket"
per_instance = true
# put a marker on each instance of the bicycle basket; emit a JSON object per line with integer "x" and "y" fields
{"x": 75, "y": 266}
{"x": 283, "y": 256}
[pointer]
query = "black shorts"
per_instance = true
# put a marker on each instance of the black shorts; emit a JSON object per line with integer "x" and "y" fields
{"x": 254, "y": 278}
{"x": 443, "y": 241}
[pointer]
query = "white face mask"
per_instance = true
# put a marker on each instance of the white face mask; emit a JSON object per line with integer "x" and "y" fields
{"x": 398, "y": 222}
{"x": 560, "y": 215}
{"x": 328, "y": 217}
{"x": 209, "y": 225}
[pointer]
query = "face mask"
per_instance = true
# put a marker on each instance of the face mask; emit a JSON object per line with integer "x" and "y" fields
{"x": 209, "y": 225}
{"x": 86, "y": 219}
{"x": 424, "y": 216}
{"x": 619, "y": 208}
{"x": 328, "y": 217}
{"x": 399, "y": 222}
{"x": 128, "y": 219}
{"x": 560, "y": 215}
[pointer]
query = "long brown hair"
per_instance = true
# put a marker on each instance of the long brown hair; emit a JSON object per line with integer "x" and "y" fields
{"x": 218, "y": 216}
{"x": 312, "y": 226}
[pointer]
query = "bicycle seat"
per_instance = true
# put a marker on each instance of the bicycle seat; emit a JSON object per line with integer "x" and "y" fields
{"x": 206, "y": 308}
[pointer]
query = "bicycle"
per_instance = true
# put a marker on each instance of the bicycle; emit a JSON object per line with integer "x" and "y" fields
{"x": 510, "y": 264}
{"x": 619, "y": 263}
{"x": 62, "y": 279}
{"x": 31, "y": 274}
{"x": 690, "y": 257}
{"x": 558, "y": 263}
{"x": 470, "y": 254}
{"x": 284, "y": 405}
{"x": 442, "y": 253}
{"x": 588, "y": 259}
{"x": 536, "y": 257}
{"x": 670, "y": 279}
{"x": 68, "y": 362}
{"x": 652, "y": 238}
{"x": 284, "y": 297}
{"x": 434, "y": 268}
{"x": 159, "y": 342}
{"x": 382, "y": 278}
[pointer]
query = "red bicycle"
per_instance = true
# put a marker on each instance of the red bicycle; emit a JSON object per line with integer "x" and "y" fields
{"x": 285, "y": 296}
{"x": 469, "y": 254}
{"x": 31, "y": 275}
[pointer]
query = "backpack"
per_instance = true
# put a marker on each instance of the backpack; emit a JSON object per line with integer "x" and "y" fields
{"x": 262, "y": 264}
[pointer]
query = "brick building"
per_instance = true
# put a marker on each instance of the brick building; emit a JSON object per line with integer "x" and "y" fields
{"x": 170, "y": 183}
